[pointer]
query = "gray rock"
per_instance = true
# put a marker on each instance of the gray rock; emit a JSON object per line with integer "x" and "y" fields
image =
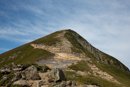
{"x": 5, "y": 77}
{"x": 5, "y": 70}
{"x": 23, "y": 75}
{"x": 58, "y": 75}
{"x": 31, "y": 73}
{"x": 17, "y": 69}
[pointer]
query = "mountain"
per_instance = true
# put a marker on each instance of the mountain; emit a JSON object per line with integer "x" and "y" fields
{"x": 80, "y": 61}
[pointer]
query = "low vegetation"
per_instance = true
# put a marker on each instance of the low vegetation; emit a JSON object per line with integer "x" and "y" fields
{"x": 90, "y": 79}
{"x": 120, "y": 75}
{"x": 80, "y": 66}
{"x": 49, "y": 39}
{"x": 76, "y": 46}
{"x": 24, "y": 55}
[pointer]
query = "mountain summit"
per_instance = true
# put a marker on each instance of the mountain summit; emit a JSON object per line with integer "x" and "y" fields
{"x": 67, "y": 50}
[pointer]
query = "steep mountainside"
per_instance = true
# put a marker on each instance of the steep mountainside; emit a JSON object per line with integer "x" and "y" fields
{"x": 80, "y": 61}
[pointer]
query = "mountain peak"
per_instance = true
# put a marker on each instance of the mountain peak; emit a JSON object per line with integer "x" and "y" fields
{"x": 67, "y": 50}
{"x": 70, "y": 42}
{"x": 66, "y": 30}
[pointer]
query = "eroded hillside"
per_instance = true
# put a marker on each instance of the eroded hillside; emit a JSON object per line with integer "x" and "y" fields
{"x": 80, "y": 61}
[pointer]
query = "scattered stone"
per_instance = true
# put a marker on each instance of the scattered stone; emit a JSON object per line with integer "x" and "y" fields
{"x": 17, "y": 69}
{"x": 35, "y": 76}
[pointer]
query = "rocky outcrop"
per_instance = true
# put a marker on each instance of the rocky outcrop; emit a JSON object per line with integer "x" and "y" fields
{"x": 57, "y": 75}
{"x": 35, "y": 76}
{"x": 31, "y": 73}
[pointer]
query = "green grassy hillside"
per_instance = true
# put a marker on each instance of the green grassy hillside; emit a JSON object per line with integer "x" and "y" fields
{"x": 25, "y": 54}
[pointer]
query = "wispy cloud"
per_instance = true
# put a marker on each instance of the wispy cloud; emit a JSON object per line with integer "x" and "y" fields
{"x": 103, "y": 23}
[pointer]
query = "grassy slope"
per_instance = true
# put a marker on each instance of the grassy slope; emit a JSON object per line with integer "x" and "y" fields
{"x": 107, "y": 63}
{"x": 77, "y": 47}
{"x": 80, "y": 66}
{"x": 49, "y": 39}
{"x": 24, "y": 54}
{"x": 121, "y": 76}
{"x": 27, "y": 54}
{"x": 89, "y": 80}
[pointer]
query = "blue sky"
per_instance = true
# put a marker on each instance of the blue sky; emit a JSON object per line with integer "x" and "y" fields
{"x": 104, "y": 23}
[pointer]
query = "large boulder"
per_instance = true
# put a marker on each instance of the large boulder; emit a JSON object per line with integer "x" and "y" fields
{"x": 31, "y": 73}
{"x": 57, "y": 75}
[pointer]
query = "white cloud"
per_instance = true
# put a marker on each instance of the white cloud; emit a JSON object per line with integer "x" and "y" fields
{"x": 105, "y": 24}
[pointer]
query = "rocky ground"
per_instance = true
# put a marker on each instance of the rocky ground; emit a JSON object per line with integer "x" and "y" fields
{"x": 35, "y": 76}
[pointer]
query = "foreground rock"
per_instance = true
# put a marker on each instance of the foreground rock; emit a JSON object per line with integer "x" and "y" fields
{"x": 31, "y": 73}
{"x": 35, "y": 76}
{"x": 57, "y": 75}
{"x": 32, "y": 76}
